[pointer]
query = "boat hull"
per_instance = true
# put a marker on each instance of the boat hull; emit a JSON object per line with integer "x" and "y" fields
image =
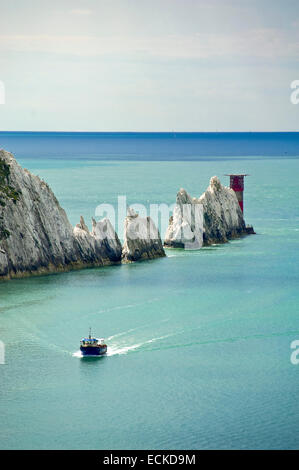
{"x": 93, "y": 350}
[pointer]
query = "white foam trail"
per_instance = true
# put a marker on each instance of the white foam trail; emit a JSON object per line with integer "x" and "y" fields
{"x": 123, "y": 333}
{"x": 121, "y": 307}
{"x": 117, "y": 350}
{"x": 77, "y": 354}
{"x": 114, "y": 350}
{"x": 153, "y": 340}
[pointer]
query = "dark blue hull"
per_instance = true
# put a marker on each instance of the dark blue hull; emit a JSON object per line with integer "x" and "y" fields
{"x": 93, "y": 350}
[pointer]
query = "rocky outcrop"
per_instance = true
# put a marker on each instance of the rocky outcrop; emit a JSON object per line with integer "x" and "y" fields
{"x": 222, "y": 218}
{"x": 99, "y": 247}
{"x": 185, "y": 228}
{"x": 36, "y": 235}
{"x": 141, "y": 239}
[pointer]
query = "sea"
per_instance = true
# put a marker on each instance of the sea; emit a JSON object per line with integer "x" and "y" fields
{"x": 199, "y": 342}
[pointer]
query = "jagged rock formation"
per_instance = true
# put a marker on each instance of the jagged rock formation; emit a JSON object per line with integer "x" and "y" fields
{"x": 101, "y": 245}
{"x": 36, "y": 235}
{"x": 141, "y": 239}
{"x": 185, "y": 225}
{"x": 222, "y": 218}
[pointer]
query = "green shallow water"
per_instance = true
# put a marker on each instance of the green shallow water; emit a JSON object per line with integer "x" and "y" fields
{"x": 199, "y": 342}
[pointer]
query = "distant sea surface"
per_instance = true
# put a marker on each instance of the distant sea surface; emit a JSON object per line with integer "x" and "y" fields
{"x": 199, "y": 342}
{"x": 151, "y": 145}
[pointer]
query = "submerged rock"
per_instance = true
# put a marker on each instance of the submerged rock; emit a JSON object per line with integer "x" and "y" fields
{"x": 37, "y": 236}
{"x": 222, "y": 218}
{"x": 141, "y": 239}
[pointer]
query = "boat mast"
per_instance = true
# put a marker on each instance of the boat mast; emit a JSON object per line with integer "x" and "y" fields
{"x": 89, "y": 332}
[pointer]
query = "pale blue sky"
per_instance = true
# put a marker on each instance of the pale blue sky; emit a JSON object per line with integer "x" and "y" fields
{"x": 149, "y": 65}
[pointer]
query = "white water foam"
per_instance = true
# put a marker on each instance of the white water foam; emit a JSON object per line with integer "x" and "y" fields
{"x": 123, "y": 307}
{"x": 77, "y": 354}
{"x": 118, "y": 350}
{"x": 115, "y": 349}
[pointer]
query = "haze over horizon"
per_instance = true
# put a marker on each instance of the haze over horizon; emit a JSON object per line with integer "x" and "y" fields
{"x": 164, "y": 65}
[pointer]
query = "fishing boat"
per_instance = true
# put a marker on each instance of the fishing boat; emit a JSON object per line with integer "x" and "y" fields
{"x": 93, "y": 347}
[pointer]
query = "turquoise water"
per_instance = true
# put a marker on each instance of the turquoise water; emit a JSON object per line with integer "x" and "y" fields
{"x": 199, "y": 342}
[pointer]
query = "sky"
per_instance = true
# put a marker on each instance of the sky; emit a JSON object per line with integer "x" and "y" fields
{"x": 149, "y": 65}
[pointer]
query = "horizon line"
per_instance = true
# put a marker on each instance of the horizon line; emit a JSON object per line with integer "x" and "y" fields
{"x": 150, "y": 132}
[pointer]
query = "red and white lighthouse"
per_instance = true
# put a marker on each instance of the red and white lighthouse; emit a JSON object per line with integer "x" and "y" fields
{"x": 237, "y": 184}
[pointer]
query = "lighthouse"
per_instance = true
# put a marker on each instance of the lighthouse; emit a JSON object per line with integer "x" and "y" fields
{"x": 237, "y": 184}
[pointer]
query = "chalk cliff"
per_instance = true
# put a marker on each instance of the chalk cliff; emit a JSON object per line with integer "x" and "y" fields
{"x": 141, "y": 239}
{"x": 101, "y": 246}
{"x": 222, "y": 218}
{"x": 37, "y": 237}
{"x": 35, "y": 233}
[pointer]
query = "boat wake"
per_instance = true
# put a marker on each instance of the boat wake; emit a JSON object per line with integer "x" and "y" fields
{"x": 112, "y": 351}
{"x": 117, "y": 349}
{"x": 77, "y": 354}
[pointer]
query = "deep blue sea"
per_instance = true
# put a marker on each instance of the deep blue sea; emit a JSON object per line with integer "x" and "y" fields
{"x": 199, "y": 342}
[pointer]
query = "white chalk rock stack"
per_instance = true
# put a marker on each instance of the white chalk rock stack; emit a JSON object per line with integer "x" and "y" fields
{"x": 141, "y": 239}
{"x": 41, "y": 238}
{"x": 222, "y": 217}
{"x": 101, "y": 246}
{"x": 185, "y": 228}
{"x": 107, "y": 238}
